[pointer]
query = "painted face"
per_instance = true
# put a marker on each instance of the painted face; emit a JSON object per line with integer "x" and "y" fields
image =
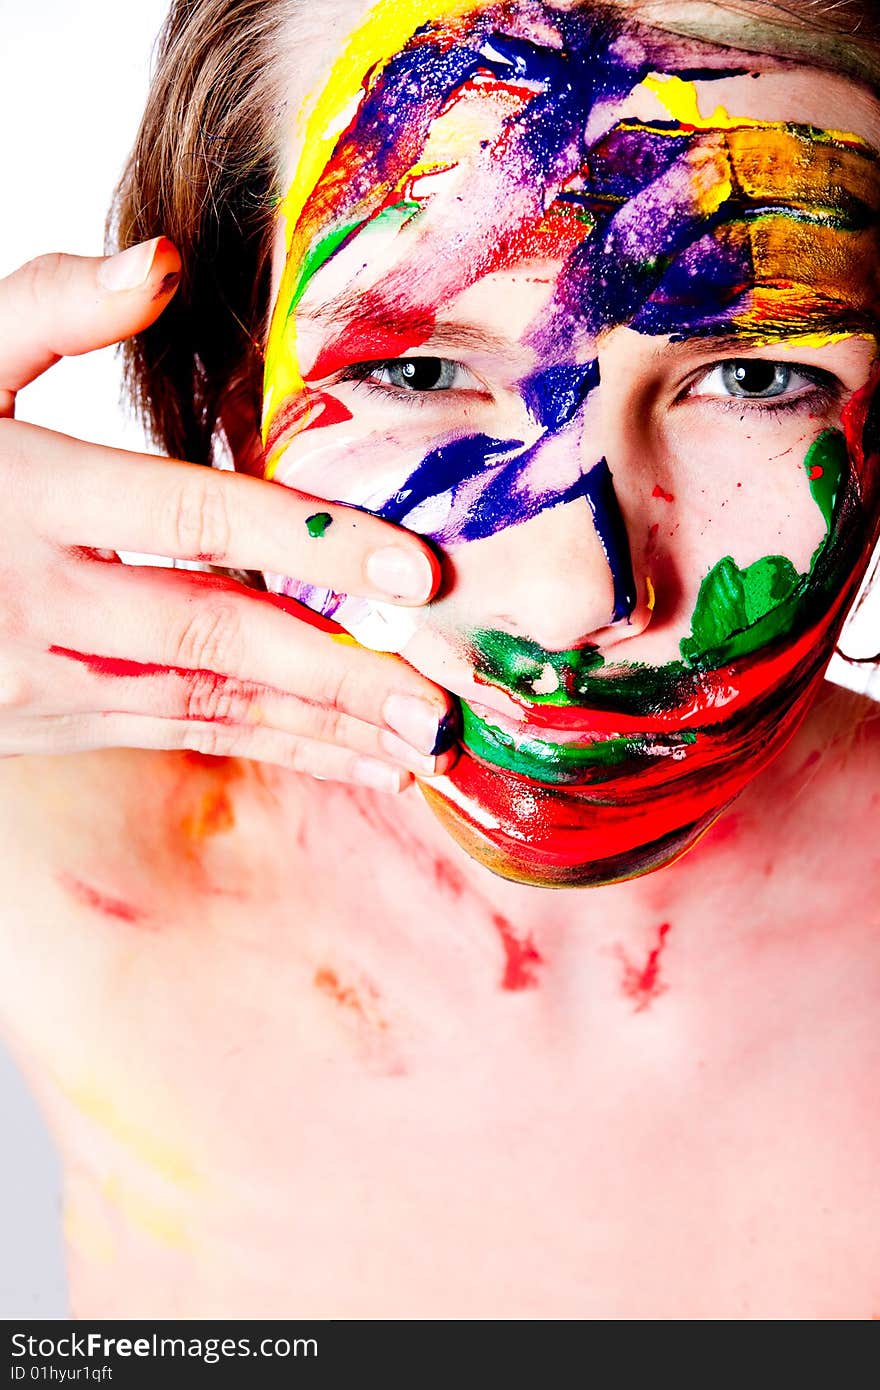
{"x": 596, "y": 311}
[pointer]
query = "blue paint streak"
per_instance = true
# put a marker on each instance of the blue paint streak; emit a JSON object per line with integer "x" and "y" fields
{"x": 611, "y": 530}
{"x": 554, "y": 395}
{"x": 504, "y": 500}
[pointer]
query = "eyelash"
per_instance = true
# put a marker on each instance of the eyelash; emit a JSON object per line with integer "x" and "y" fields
{"x": 826, "y": 391}
{"x": 360, "y": 372}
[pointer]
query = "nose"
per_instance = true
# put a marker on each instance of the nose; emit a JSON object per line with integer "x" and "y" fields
{"x": 565, "y": 578}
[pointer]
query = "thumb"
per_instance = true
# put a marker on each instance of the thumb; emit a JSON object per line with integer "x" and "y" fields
{"x": 60, "y": 306}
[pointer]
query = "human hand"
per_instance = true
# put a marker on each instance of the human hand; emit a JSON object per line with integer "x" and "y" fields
{"x": 94, "y": 653}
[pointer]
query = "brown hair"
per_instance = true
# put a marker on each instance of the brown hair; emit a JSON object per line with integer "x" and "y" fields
{"x": 203, "y": 172}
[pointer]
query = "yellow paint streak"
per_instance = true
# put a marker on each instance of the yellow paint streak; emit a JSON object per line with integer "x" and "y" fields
{"x": 92, "y": 1238}
{"x": 322, "y": 119}
{"x": 155, "y": 1221}
{"x": 649, "y": 586}
{"x": 681, "y": 101}
{"x": 325, "y": 114}
{"x": 163, "y": 1158}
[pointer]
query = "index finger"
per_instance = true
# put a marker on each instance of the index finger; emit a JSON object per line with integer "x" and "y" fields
{"x": 91, "y": 495}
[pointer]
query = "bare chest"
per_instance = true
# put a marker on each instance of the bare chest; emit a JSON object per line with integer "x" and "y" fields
{"x": 286, "y": 1080}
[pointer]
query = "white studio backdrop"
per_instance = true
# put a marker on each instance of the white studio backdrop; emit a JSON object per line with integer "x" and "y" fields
{"x": 73, "y": 79}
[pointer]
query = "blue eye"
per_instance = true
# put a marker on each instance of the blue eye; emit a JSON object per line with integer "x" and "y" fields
{"x": 756, "y": 379}
{"x": 420, "y": 373}
{"x": 414, "y": 376}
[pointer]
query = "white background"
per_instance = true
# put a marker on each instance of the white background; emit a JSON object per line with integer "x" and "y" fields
{"x": 73, "y": 80}
{"x": 73, "y": 77}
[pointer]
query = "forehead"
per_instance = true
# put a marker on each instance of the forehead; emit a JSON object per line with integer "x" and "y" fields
{"x": 492, "y": 133}
{"x": 331, "y": 49}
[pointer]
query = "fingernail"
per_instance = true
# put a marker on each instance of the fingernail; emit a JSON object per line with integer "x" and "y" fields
{"x": 401, "y": 573}
{"x": 370, "y": 772}
{"x": 415, "y": 720}
{"x": 129, "y": 269}
{"x": 448, "y": 732}
{"x": 405, "y": 753}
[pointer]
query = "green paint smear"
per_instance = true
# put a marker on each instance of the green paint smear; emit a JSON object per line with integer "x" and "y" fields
{"x": 317, "y": 525}
{"x": 518, "y": 664}
{"x": 739, "y": 610}
{"x": 555, "y": 762}
{"x": 395, "y": 216}
{"x": 829, "y": 455}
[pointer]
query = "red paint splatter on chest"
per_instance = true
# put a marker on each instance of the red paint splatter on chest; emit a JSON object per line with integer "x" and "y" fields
{"x": 105, "y": 903}
{"x": 643, "y": 985}
{"x": 521, "y": 958}
{"x": 662, "y": 493}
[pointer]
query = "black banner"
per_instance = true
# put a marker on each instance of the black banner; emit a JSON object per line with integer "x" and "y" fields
{"x": 123, "y": 1354}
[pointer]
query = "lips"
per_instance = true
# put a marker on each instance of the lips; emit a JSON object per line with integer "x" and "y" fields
{"x": 572, "y": 756}
{"x": 622, "y": 793}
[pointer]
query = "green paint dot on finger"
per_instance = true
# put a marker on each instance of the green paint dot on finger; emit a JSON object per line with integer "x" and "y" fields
{"x": 317, "y": 524}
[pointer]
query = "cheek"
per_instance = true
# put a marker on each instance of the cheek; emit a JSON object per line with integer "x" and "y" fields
{"x": 745, "y": 495}
{"x": 333, "y": 458}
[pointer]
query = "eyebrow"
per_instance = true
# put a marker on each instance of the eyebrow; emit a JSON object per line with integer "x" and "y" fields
{"x": 357, "y": 312}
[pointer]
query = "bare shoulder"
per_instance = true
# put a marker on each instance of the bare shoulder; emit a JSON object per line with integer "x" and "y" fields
{"x": 143, "y": 835}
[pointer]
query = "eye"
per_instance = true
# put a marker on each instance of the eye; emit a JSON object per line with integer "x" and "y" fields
{"x": 755, "y": 379}
{"x": 421, "y": 373}
{"x": 414, "y": 375}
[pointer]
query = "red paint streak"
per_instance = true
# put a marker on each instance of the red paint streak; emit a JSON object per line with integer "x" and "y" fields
{"x": 327, "y": 981}
{"x": 310, "y": 410}
{"x": 644, "y": 986}
{"x": 521, "y": 957}
{"x": 816, "y": 472}
{"x": 111, "y": 665}
{"x": 448, "y": 879}
{"x": 90, "y": 896}
{"x": 661, "y": 492}
{"x": 377, "y": 329}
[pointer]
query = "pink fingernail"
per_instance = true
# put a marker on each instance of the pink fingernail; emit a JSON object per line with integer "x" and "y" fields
{"x": 400, "y": 572}
{"x": 415, "y": 720}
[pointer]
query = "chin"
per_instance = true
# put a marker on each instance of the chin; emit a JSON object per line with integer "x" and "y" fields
{"x": 551, "y": 839}
{"x": 640, "y": 803}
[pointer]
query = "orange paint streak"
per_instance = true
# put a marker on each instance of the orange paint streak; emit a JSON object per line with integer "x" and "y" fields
{"x": 347, "y": 997}
{"x": 213, "y": 815}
